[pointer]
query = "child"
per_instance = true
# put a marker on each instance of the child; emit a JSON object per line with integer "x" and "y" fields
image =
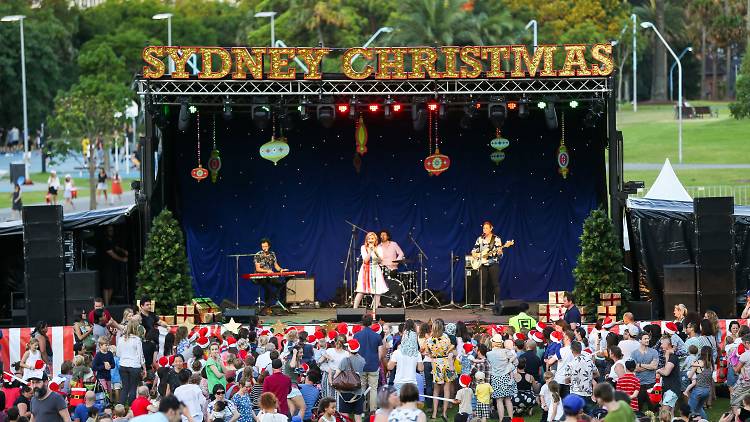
{"x": 268, "y": 404}
{"x": 29, "y": 360}
{"x": 327, "y": 410}
{"x": 100, "y": 325}
{"x": 82, "y": 373}
{"x": 116, "y": 188}
{"x": 544, "y": 394}
{"x": 629, "y": 384}
{"x": 69, "y": 188}
{"x": 689, "y": 360}
{"x": 484, "y": 397}
{"x": 464, "y": 355}
{"x": 66, "y": 371}
{"x": 17, "y": 201}
{"x": 554, "y": 404}
{"x": 464, "y": 398}
{"x": 119, "y": 413}
{"x": 114, "y": 374}
{"x": 103, "y": 363}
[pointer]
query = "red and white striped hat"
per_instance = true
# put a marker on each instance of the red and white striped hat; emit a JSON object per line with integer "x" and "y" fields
{"x": 540, "y": 326}
{"x": 203, "y": 342}
{"x": 377, "y": 328}
{"x": 468, "y": 348}
{"x": 608, "y": 323}
{"x": 536, "y": 336}
{"x": 670, "y": 328}
{"x": 556, "y": 336}
{"x": 353, "y": 345}
{"x": 464, "y": 380}
{"x": 519, "y": 336}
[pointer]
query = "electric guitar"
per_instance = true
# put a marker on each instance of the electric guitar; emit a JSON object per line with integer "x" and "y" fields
{"x": 479, "y": 259}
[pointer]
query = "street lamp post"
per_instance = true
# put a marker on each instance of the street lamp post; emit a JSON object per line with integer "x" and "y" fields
{"x": 19, "y": 19}
{"x": 168, "y": 17}
{"x": 385, "y": 29}
{"x": 534, "y": 24}
{"x": 671, "y": 70}
{"x": 647, "y": 25}
{"x": 635, "y": 64}
{"x": 273, "y": 29}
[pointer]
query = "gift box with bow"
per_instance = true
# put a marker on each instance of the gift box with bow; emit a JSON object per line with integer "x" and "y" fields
{"x": 556, "y": 313}
{"x": 610, "y": 299}
{"x": 605, "y": 311}
{"x": 185, "y": 314}
{"x": 556, "y": 298}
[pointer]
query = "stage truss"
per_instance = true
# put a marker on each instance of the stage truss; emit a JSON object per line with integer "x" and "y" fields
{"x": 213, "y": 92}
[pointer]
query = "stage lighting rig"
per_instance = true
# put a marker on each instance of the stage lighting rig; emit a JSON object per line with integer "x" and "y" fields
{"x": 419, "y": 116}
{"x": 541, "y": 105}
{"x": 390, "y": 107}
{"x": 261, "y": 116}
{"x": 373, "y": 108}
{"x": 631, "y": 187}
{"x": 511, "y": 105}
{"x": 227, "y": 111}
{"x": 342, "y": 108}
{"x": 183, "y": 122}
{"x": 304, "y": 113}
{"x": 326, "y": 115}
{"x": 523, "y": 110}
{"x": 573, "y": 104}
{"x": 353, "y": 108}
{"x": 550, "y": 116}
{"x": 497, "y": 113}
{"x": 443, "y": 108}
{"x": 286, "y": 121}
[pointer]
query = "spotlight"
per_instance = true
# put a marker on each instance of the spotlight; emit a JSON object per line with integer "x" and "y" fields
{"x": 443, "y": 109}
{"x": 523, "y": 110}
{"x": 396, "y": 107}
{"x": 261, "y": 116}
{"x": 432, "y": 106}
{"x": 342, "y": 108}
{"x": 374, "y": 108}
{"x": 512, "y": 105}
{"x": 183, "y": 122}
{"x": 353, "y": 108}
{"x": 476, "y": 105}
{"x": 326, "y": 115}
{"x": 227, "y": 109}
{"x": 497, "y": 113}
{"x": 592, "y": 117}
{"x": 550, "y": 117}
{"x": 573, "y": 104}
{"x": 541, "y": 104}
{"x": 419, "y": 117}
{"x": 303, "y": 114}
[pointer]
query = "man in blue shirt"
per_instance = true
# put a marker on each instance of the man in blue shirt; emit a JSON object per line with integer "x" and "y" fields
{"x": 572, "y": 313}
{"x": 81, "y": 412}
{"x": 371, "y": 348}
{"x": 646, "y": 361}
{"x": 310, "y": 393}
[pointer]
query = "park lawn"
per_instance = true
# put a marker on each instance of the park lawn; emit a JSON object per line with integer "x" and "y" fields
{"x": 690, "y": 177}
{"x": 38, "y": 197}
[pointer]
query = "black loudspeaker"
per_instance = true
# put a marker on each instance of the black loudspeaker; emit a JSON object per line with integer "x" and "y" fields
{"x": 715, "y": 262}
{"x": 351, "y": 315}
{"x": 641, "y": 310}
{"x": 116, "y": 311}
{"x": 244, "y": 316}
{"x": 73, "y": 306}
{"x": 679, "y": 278}
{"x": 390, "y": 314}
{"x": 44, "y": 264}
{"x": 690, "y": 300}
{"x": 82, "y": 285}
{"x": 226, "y": 303}
{"x": 472, "y": 286}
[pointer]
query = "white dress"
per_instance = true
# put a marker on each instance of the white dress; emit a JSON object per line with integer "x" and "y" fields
{"x": 370, "y": 279}
{"x": 31, "y": 361}
{"x": 68, "y": 190}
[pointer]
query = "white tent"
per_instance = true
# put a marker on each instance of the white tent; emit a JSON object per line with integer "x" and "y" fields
{"x": 667, "y": 186}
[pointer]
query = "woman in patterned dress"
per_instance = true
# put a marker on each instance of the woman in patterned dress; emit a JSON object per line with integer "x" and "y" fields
{"x": 502, "y": 362}
{"x": 525, "y": 398}
{"x": 244, "y": 403}
{"x": 370, "y": 280}
{"x": 440, "y": 349}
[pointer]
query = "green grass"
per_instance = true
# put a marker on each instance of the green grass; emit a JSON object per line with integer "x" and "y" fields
{"x": 38, "y": 197}
{"x": 706, "y": 177}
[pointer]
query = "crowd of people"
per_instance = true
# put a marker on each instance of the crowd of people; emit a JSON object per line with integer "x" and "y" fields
{"x": 563, "y": 371}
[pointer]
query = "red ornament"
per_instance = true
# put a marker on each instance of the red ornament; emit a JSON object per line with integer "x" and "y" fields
{"x": 437, "y": 163}
{"x": 199, "y": 173}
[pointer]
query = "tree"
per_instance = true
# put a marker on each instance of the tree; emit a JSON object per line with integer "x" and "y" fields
{"x": 599, "y": 267}
{"x": 740, "y": 109}
{"x": 431, "y": 23}
{"x": 164, "y": 275}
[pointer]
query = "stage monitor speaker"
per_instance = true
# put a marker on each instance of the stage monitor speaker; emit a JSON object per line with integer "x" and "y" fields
{"x": 391, "y": 314}
{"x": 679, "y": 278}
{"x": 350, "y": 315}
{"x": 300, "y": 290}
{"x": 226, "y": 303}
{"x": 641, "y": 310}
{"x": 690, "y": 300}
{"x": 82, "y": 285}
{"x": 511, "y": 307}
{"x": 44, "y": 264}
{"x": 244, "y": 316}
{"x": 713, "y": 205}
{"x": 116, "y": 311}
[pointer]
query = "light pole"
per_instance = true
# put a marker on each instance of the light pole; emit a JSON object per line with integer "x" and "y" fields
{"x": 168, "y": 17}
{"x": 679, "y": 87}
{"x": 19, "y": 19}
{"x": 385, "y": 29}
{"x": 671, "y": 70}
{"x": 273, "y": 30}
{"x": 534, "y": 24}
{"x": 635, "y": 64}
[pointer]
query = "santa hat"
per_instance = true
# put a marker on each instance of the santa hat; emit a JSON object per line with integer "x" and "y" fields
{"x": 608, "y": 323}
{"x": 289, "y": 330}
{"x": 468, "y": 348}
{"x": 464, "y": 380}
{"x": 540, "y": 326}
{"x": 303, "y": 368}
{"x": 311, "y": 339}
{"x": 242, "y": 354}
{"x": 9, "y": 378}
{"x": 377, "y": 328}
{"x": 741, "y": 349}
{"x": 670, "y": 328}
{"x": 265, "y": 333}
{"x": 56, "y": 383}
{"x": 164, "y": 362}
{"x": 357, "y": 328}
{"x": 171, "y": 360}
{"x": 342, "y": 328}
{"x": 40, "y": 365}
{"x": 332, "y": 335}
{"x": 588, "y": 351}
{"x": 203, "y": 342}
{"x": 320, "y": 334}
{"x": 556, "y": 336}
{"x": 231, "y": 342}
{"x": 203, "y": 332}
{"x": 536, "y": 336}
{"x": 519, "y": 336}
{"x": 353, "y": 345}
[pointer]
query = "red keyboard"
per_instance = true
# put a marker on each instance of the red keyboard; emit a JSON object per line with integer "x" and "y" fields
{"x": 281, "y": 274}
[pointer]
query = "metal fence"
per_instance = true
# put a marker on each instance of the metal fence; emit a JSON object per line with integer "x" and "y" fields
{"x": 740, "y": 193}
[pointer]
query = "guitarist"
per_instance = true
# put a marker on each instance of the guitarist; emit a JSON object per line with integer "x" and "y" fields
{"x": 489, "y": 248}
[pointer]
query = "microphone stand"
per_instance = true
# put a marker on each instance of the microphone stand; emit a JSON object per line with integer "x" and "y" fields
{"x": 453, "y": 304}
{"x": 423, "y": 290}
{"x": 351, "y": 263}
{"x": 237, "y": 276}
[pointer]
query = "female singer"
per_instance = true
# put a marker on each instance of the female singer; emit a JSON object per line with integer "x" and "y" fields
{"x": 370, "y": 280}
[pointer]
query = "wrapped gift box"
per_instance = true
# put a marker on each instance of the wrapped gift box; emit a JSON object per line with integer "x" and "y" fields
{"x": 610, "y": 299}
{"x": 605, "y": 311}
{"x": 556, "y": 313}
{"x": 181, "y": 319}
{"x": 543, "y": 312}
{"x": 169, "y": 319}
{"x": 209, "y": 317}
{"x": 204, "y": 306}
{"x": 556, "y": 298}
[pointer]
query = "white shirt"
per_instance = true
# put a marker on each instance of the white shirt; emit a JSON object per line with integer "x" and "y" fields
{"x": 628, "y": 347}
{"x": 545, "y": 394}
{"x": 335, "y": 357}
{"x": 272, "y": 417}
{"x": 566, "y": 355}
{"x": 192, "y": 397}
{"x": 264, "y": 359}
{"x": 130, "y": 352}
{"x": 406, "y": 367}
{"x": 558, "y": 412}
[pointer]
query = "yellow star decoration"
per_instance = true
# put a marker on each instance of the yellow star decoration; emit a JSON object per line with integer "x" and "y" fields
{"x": 187, "y": 324}
{"x": 329, "y": 326}
{"x": 232, "y": 326}
{"x": 279, "y": 327}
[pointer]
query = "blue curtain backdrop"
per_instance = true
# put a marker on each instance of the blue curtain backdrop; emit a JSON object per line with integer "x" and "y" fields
{"x": 302, "y": 203}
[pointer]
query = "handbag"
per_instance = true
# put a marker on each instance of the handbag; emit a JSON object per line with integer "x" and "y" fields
{"x": 347, "y": 380}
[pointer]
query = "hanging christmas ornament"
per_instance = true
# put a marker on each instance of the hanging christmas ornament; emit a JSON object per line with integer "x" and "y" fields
{"x": 275, "y": 149}
{"x": 435, "y": 163}
{"x": 497, "y": 157}
{"x": 499, "y": 143}
{"x": 360, "y": 136}
{"x": 198, "y": 173}
{"x": 214, "y": 162}
{"x": 563, "y": 158}
{"x": 357, "y": 161}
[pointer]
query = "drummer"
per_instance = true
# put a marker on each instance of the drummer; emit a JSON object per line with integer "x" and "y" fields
{"x": 392, "y": 253}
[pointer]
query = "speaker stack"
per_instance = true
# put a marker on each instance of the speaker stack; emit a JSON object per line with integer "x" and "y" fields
{"x": 384, "y": 314}
{"x": 714, "y": 241}
{"x": 81, "y": 288}
{"x": 679, "y": 288}
{"x": 43, "y": 264}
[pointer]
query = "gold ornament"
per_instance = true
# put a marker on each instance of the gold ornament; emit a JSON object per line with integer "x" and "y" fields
{"x": 278, "y": 327}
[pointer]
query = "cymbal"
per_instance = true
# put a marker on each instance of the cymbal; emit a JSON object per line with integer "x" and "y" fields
{"x": 403, "y": 261}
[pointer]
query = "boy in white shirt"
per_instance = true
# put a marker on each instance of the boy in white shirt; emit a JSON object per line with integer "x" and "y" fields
{"x": 464, "y": 397}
